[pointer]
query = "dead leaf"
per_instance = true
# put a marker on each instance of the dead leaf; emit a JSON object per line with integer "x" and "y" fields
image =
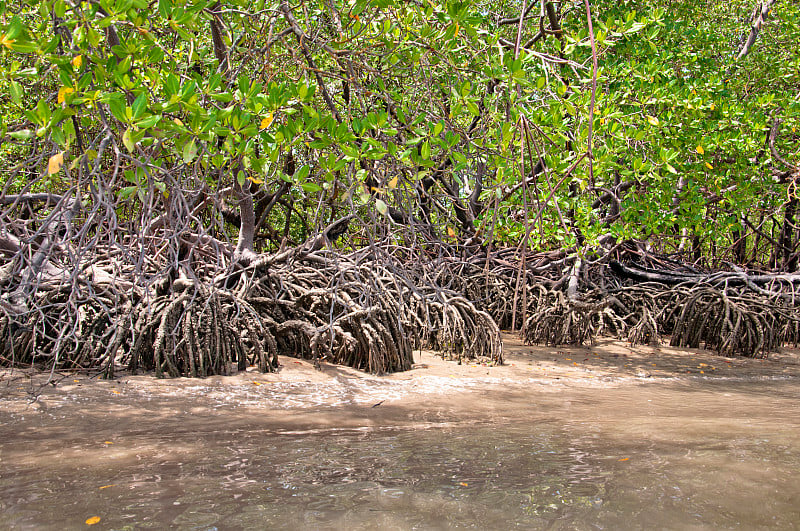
{"x": 92, "y": 520}
{"x": 267, "y": 121}
{"x": 62, "y": 93}
{"x": 55, "y": 163}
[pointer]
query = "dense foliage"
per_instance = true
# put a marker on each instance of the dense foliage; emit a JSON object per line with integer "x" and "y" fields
{"x": 429, "y": 112}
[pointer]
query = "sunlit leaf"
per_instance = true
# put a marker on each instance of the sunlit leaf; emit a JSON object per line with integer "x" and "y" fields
{"x": 62, "y": 93}
{"x": 77, "y": 61}
{"x": 709, "y": 166}
{"x": 393, "y": 183}
{"x": 22, "y": 134}
{"x": 652, "y": 120}
{"x": 15, "y": 90}
{"x": 189, "y": 151}
{"x": 381, "y": 207}
{"x": 92, "y": 520}
{"x": 266, "y": 121}
{"x": 127, "y": 141}
{"x": 700, "y": 149}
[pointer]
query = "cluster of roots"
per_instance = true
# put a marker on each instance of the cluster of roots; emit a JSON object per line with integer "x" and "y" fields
{"x": 732, "y": 313}
{"x": 370, "y": 309}
{"x": 729, "y": 321}
{"x": 351, "y": 309}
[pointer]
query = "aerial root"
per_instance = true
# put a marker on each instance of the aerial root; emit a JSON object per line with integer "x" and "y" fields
{"x": 731, "y": 322}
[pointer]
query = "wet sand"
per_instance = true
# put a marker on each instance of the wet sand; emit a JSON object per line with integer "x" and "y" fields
{"x": 297, "y": 384}
{"x": 604, "y": 436}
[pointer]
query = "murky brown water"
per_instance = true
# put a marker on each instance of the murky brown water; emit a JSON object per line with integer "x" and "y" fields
{"x": 682, "y": 454}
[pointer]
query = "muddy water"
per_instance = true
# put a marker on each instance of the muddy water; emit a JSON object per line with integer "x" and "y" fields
{"x": 414, "y": 454}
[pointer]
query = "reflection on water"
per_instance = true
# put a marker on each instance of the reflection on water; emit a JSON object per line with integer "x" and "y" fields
{"x": 674, "y": 456}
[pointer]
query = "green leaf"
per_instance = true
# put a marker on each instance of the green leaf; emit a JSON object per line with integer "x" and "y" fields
{"x": 302, "y": 173}
{"x": 139, "y": 105}
{"x": 381, "y": 207}
{"x": 15, "y": 91}
{"x": 22, "y": 134}
{"x": 126, "y": 140}
{"x": 150, "y": 121}
{"x": 425, "y": 152}
{"x": 190, "y": 151}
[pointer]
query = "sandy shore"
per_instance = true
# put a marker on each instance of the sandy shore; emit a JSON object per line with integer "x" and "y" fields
{"x": 608, "y": 363}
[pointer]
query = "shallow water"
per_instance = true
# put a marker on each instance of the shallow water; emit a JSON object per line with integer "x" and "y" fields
{"x": 683, "y": 454}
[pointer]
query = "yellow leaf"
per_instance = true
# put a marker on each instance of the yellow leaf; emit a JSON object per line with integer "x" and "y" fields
{"x": 451, "y": 232}
{"x": 266, "y": 121}
{"x": 256, "y": 383}
{"x": 5, "y": 41}
{"x": 77, "y": 61}
{"x": 62, "y": 93}
{"x": 457, "y": 28}
{"x": 255, "y": 180}
{"x": 709, "y": 166}
{"x": 76, "y": 381}
{"x": 108, "y": 442}
{"x": 652, "y": 120}
{"x": 93, "y": 520}
{"x": 115, "y": 392}
{"x": 106, "y": 486}
{"x": 712, "y": 107}
{"x": 177, "y": 122}
{"x": 624, "y": 459}
{"x": 700, "y": 149}
{"x": 55, "y": 163}
{"x": 464, "y": 484}
{"x": 393, "y": 183}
